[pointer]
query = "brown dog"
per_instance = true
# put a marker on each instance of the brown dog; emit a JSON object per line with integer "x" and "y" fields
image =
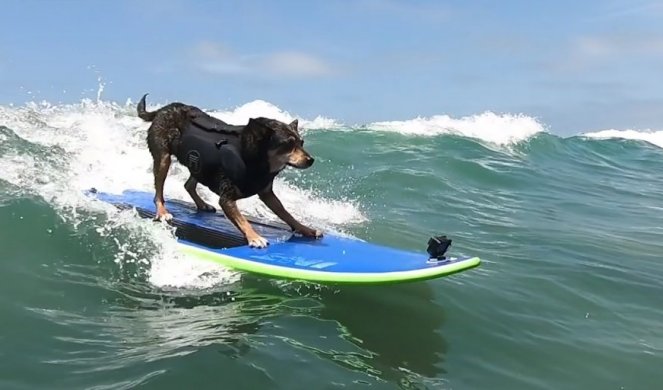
{"x": 234, "y": 162}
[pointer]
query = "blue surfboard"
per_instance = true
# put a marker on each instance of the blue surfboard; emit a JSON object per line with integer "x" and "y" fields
{"x": 331, "y": 259}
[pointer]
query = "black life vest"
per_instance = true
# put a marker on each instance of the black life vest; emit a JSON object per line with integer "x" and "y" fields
{"x": 210, "y": 148}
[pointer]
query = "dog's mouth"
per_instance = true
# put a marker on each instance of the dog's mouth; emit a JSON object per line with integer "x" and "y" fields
{"x": 301, "y": 161}
{"x": 302, "y": 164}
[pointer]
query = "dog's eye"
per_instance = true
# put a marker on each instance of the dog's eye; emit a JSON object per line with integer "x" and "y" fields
{"x": 288, "y": 143}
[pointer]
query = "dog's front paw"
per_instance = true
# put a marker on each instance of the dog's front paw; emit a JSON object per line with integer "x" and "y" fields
{"x": 164, "y": 217}
{"x": 308, "y": 232}
{"x": 257, "y": 242}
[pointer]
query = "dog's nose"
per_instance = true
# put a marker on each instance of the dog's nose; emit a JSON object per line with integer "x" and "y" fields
{"x": 310, "y": 161}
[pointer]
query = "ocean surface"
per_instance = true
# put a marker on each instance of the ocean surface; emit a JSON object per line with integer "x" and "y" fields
{"x": 569, "y": 294}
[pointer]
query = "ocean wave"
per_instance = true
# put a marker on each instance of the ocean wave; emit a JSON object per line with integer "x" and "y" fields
{"x": 489, "y": 127}
{"x": 654, "y": 137}
{"x": 59, "y": 151}
{"x": 501, "y": 129}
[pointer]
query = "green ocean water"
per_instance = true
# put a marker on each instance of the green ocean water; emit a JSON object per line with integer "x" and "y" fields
{"x": 569, "y": 294}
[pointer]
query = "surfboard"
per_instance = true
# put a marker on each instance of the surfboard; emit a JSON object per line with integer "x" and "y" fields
{"x": 331, "y": 259}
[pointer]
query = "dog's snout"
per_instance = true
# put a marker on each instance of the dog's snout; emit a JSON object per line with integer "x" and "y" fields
{"x": 300, "y": 159}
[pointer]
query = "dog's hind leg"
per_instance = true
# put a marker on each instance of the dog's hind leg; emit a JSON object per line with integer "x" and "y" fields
{"x": 190, "y": 187}
{"x": 161, "y": 166}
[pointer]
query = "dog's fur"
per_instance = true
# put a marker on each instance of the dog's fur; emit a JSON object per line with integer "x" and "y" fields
{"x": 267, "y": 147}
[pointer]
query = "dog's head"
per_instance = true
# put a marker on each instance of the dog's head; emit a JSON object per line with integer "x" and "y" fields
{"x": 282, "y": 142}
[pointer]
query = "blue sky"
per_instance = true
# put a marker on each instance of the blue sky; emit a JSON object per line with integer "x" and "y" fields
{"x": 576, "y": 65}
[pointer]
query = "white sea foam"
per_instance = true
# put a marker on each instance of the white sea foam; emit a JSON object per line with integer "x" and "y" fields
{"x": 652, "y": 136}
{"x": 489, "y": 127}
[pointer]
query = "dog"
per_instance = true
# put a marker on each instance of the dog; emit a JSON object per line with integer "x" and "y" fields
{"x": 234, "y": 162}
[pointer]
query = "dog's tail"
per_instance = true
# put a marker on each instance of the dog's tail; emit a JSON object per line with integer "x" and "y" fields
{"x": 143, "y": 113}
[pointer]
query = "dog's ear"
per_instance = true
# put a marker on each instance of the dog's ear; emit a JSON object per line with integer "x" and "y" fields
{"x": 261, "y": 124}
{"x": 294, "y": 125}
{"x": 261, "y": 127}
